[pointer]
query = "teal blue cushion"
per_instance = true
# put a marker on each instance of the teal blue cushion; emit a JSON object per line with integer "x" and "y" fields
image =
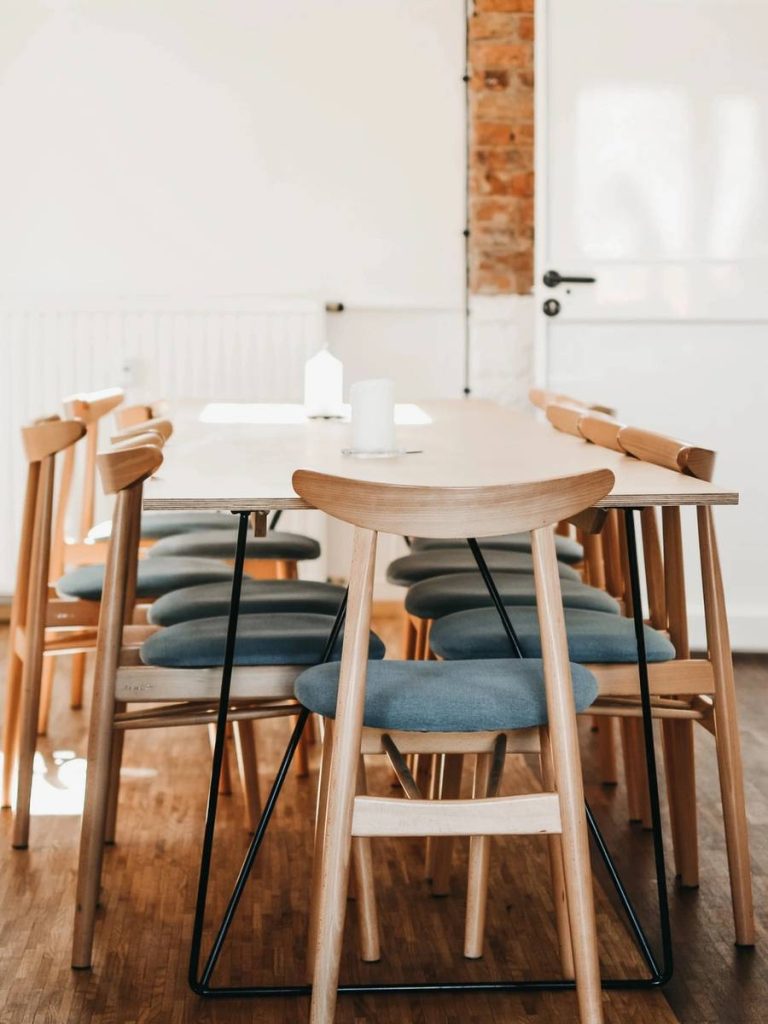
{"x": 165, "y": 524}
{"x": 297, "y": 639}
{"x": 445, "y": 696}
{"x": 568, "y": 550}
{"x": 212, "y": 599}
{"x": 221, "y": 544}
{"x": 410, "y": 569}
{"x": 156, "y": 576}
{"x": 441, "y": 595}
{"x": 593, "y": 637}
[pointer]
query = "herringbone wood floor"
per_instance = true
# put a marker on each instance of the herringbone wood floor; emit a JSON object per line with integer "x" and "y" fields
{"x": 142, "y": 940}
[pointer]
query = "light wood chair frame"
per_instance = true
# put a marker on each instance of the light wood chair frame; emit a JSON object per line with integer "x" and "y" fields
{"x": 686, "y": 690}
{"x": 558, "y": 812}
{"x": 176, "y": 696}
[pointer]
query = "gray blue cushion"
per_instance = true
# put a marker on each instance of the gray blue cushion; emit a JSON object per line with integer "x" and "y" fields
{"x": 568, "y": 550}
{"x": 593, "y": 637}
{"x": 441, "y": 595}
{"x": 297, "y": 639}
{"x": 165, "y": 524}
{"x": 156, "y": 576}
{"x": 212, "y": 599}
{"x": 410, "y": 569}
{"x": 221, "y": 544}
{"x": 447, "y": 696}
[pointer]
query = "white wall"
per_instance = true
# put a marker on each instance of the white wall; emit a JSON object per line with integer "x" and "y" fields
{"x": 310, "y": 147}
{"x": 192, "y": 154}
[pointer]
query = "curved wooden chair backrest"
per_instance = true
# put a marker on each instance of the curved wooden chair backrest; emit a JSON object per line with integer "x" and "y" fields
{"x": 132, "y": 416}
{"x": 668, "y": 452}
{"x": 566, "y": 417}
{"x": 43, "y": 440}
{"x": 90, "y": 407}
{"x": 131, "y": 463}
{"x": 601, "y": 430}
{"x": 47, "y": 437}
{"x": 452, "y": 511}
{"x": 159, "y": 426}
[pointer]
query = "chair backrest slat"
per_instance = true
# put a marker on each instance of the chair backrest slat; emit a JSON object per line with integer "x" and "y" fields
{"x": 668, "y": 452}
{"x": 452, "y": 511}
{"x": 601, "y": 430}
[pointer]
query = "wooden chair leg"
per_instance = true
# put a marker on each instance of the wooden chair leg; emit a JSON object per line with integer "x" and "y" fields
{"x": 680, "y": 772}
{"x": 728, "y": 742}
{"x": 27, "y": 737}
{"x": 479, "y": 864}
{"x": 247, "y": 764}
{"x": 77, "y": 684}
{"x": 302, "y": 753}
{"x": 317, "y": 854}
{"x": 606, "y": 751}
{"x": 631, "y": 738}
{"x": 409, "y": 638}
{"x": 11, "y": 713}
{"x": 422, "y": 629}
{"x": 443, "y": 845}
{"x": 430, "y": 784}
{"x": 118, "y": 740}
{"x": 93, "y": 831}
{"x": 556, "y": 869}
{"x": 225, "y": 779}
{"x": 46, "y": 693}
{"x": 362, "y": 863}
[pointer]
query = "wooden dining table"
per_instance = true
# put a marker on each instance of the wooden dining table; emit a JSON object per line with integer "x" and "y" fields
{"x": 241, "y": 458}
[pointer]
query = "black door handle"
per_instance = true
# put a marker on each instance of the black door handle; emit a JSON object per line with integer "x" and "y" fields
{"x": 552, "y": 279}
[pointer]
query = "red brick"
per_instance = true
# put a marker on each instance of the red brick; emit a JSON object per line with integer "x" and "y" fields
{"x": 501, "y": 180}
{"x": 485, "y": 56}
{"x": 510, "y": 6}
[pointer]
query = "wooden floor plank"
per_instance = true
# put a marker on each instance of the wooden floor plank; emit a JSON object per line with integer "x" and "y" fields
{"x": 145, "y": 920}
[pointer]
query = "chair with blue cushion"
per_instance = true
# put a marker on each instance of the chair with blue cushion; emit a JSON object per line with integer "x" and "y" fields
{"x": 455, "y": 708}
{"x": 567, "y": 549}
{"x": 177, "y": 672}
{"x": 278, "y": 553}
{"x": 264, "y": 596}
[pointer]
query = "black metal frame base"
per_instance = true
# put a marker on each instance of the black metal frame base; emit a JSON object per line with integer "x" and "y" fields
{"x": 660, "y": 972}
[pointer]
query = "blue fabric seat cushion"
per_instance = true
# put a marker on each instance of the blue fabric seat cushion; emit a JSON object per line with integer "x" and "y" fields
{"x": 447, "y": 696}
{"x": 221, "y": 544}
{"x": 411, "y": 569}
{"x": 593, "y": 637}
{"x": 164, "y": 524}
{"x": 156, "y": 576}
{"x": 441, "y": 595}
{"x": 568, "y": 550}
{"x": 296, "y": 639}
{"x": 212, "y": 599}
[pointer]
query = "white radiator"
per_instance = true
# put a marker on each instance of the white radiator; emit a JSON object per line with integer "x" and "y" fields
{"x": 232, "y": 349}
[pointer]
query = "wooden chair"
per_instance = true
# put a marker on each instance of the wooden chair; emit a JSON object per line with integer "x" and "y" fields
{"x": 684, "y": 690}
{"x": 32, "y": 612}
{"x": 152, "y": 665}
{"x": 54, "y": 616}
{"x": 380, "y": 719}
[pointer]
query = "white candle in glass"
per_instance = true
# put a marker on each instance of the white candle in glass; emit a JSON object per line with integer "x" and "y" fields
{"x": 323, "y": 378}
{"x": 373, "y": 415}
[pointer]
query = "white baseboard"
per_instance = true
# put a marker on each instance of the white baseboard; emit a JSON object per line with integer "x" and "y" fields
{"x": 748, "y": 628}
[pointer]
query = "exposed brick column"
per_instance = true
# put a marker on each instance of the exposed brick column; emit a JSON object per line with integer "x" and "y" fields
{"x": 501, "y": 147}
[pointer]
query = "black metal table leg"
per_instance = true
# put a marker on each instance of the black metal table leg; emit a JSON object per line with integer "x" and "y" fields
{"x": 659, "y": 974}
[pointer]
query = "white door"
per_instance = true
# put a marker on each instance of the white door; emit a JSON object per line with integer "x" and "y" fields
{"x": 652, "y": 161}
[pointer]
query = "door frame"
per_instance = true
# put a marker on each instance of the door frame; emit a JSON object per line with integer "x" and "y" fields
{"x": 541, "y": 186}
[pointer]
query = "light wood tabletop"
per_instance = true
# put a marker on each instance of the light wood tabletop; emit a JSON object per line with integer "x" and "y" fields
{"x": 241, "y": 457}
